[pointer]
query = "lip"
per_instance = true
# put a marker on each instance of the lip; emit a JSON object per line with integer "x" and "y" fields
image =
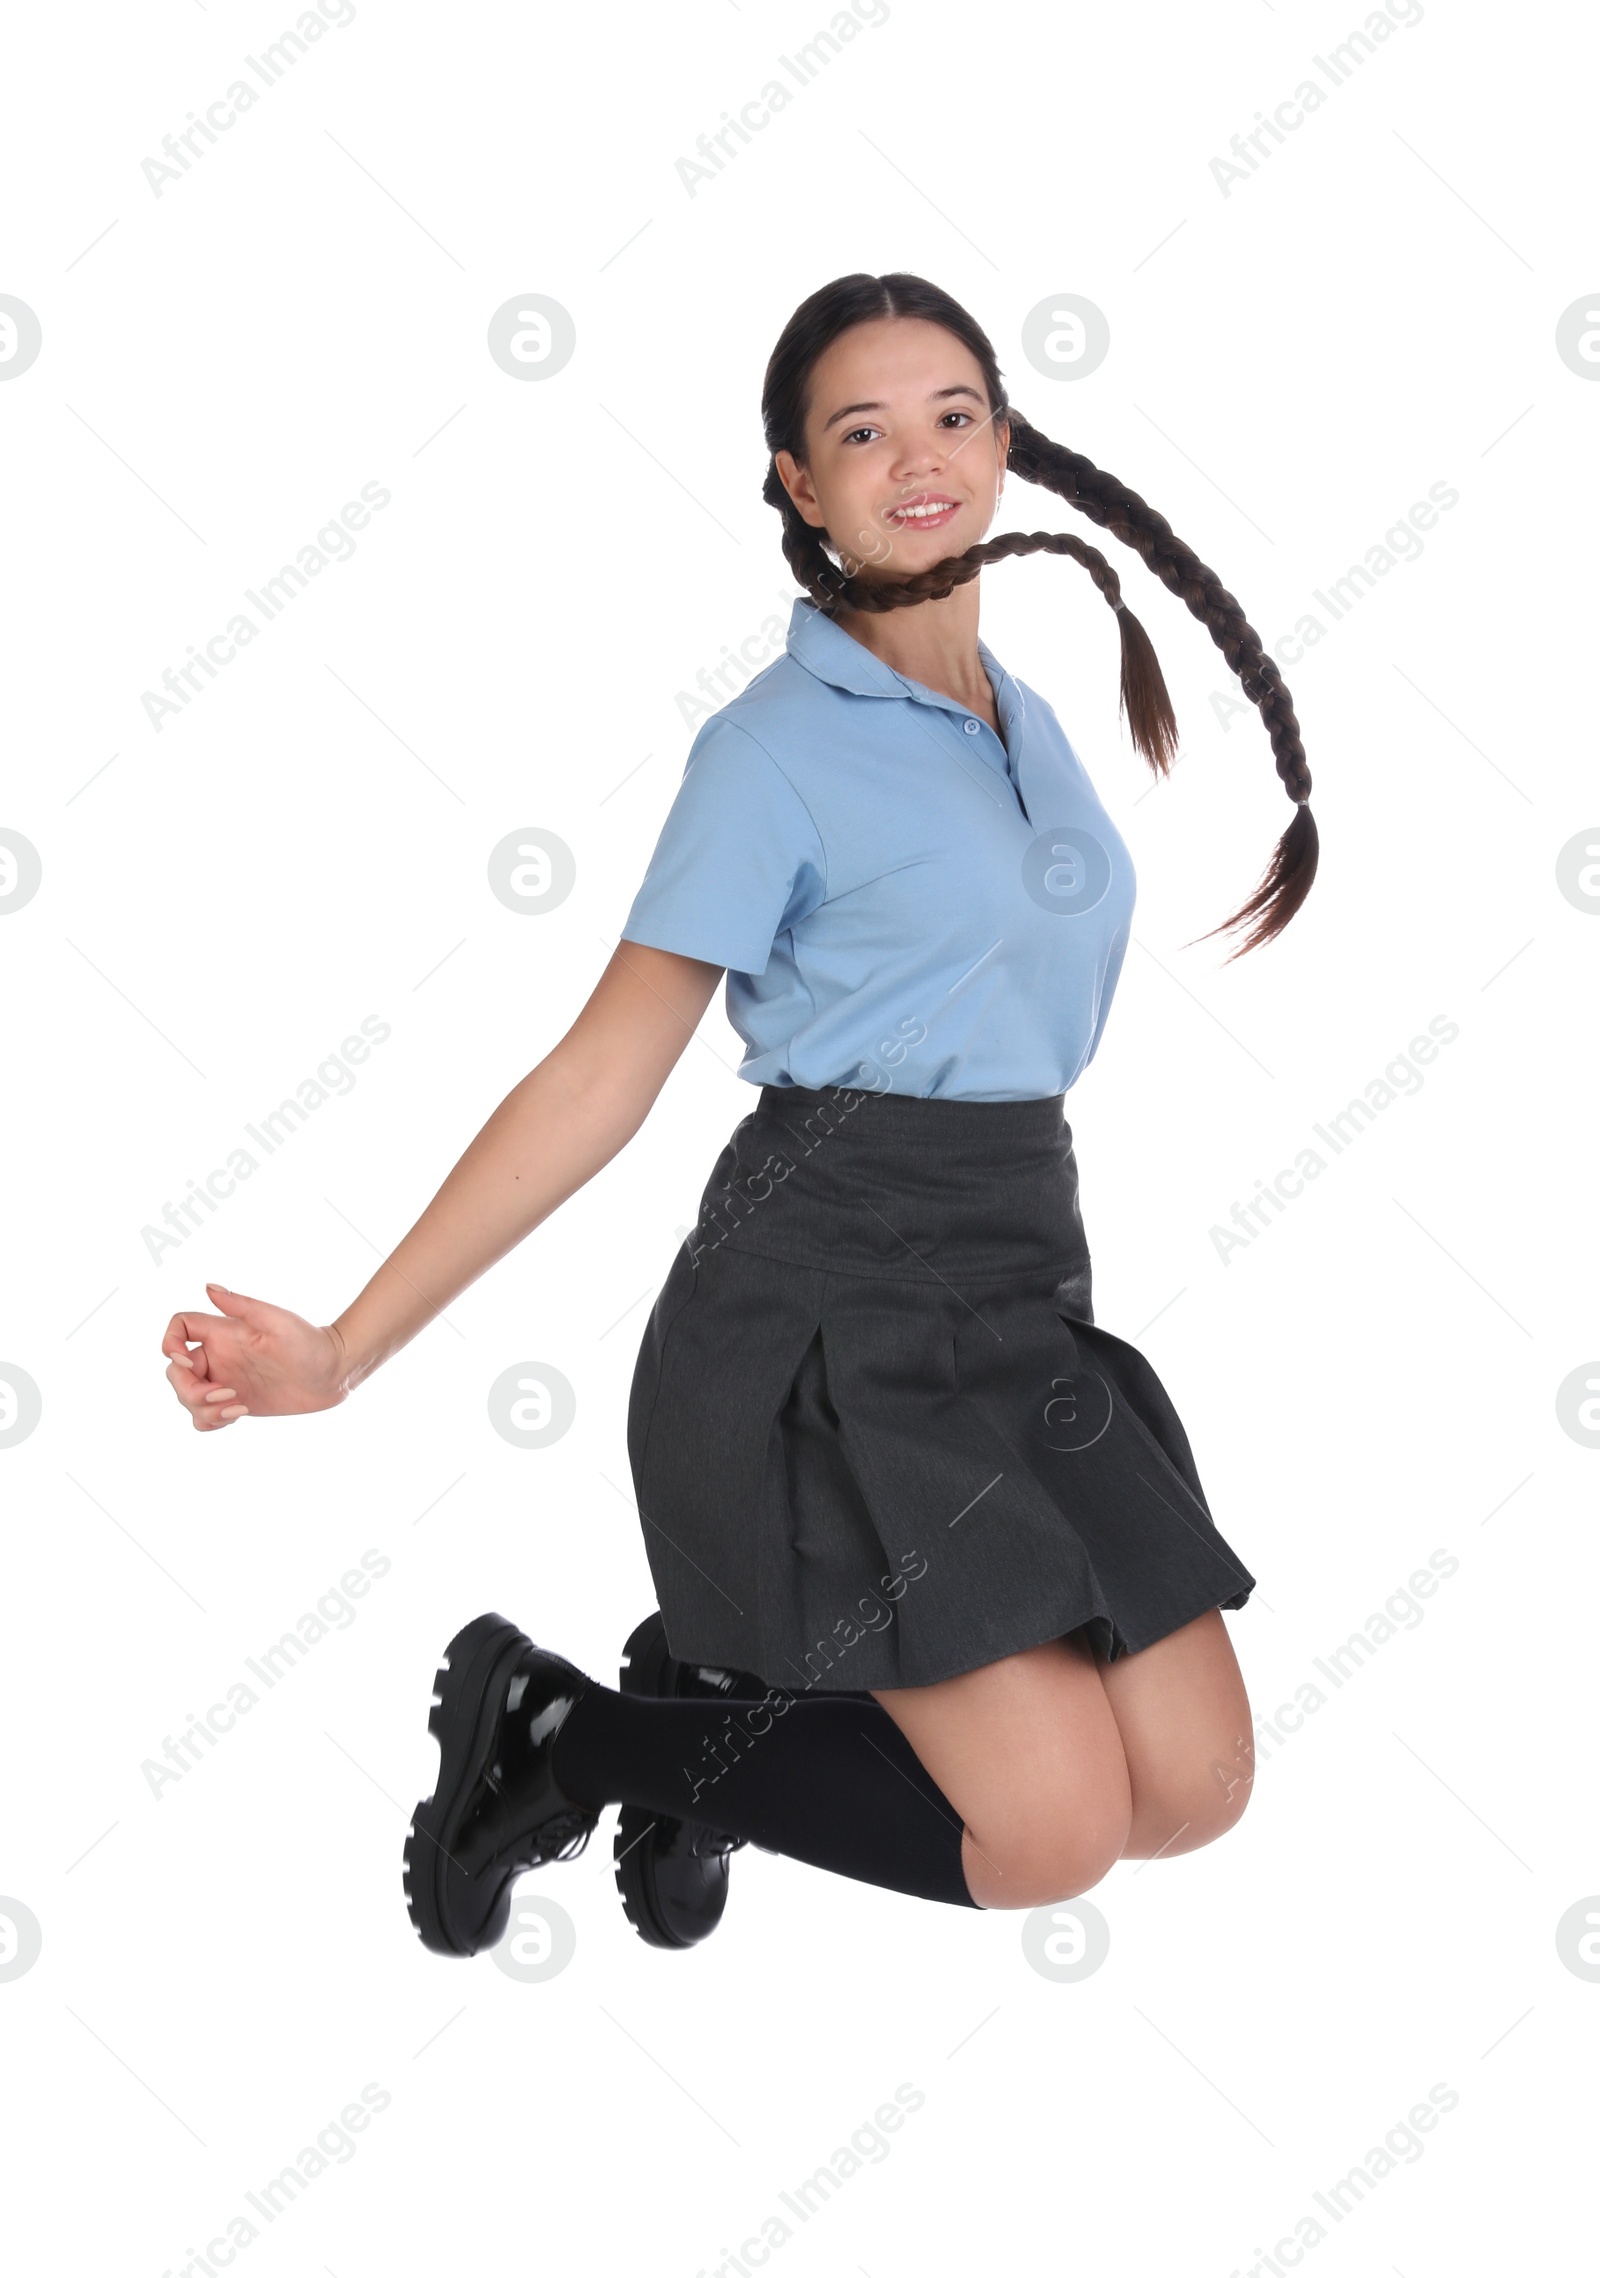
{"x": 925, "y": 521}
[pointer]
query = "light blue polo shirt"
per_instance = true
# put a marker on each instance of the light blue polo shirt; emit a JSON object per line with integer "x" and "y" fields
{"x": 902, "y": 901}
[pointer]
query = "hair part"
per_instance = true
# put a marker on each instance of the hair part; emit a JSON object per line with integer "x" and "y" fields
{"x": 1144, "y": 703}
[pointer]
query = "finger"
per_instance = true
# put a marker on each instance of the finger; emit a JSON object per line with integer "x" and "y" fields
{"x": 222, "y": 1392}
{"x": 254, "y": 1310}
{"x": 228, "y": 1414}
{"x": 180, "y": 1330}
{"x": 189, "y": 1388}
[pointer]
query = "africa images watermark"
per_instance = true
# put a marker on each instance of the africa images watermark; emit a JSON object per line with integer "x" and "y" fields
{"x": 1400, "y": 1611}
{"x": 333, "y": 543}
{"x": 868, "y": 2143}
{"x": 1402, "y": 2143}
{"x": 333, "y": 1610}
{"x": 778, "y": 1700}
{"x": 1400, "y": 1079}
{"x": 332, "y": 1078}
{"x": 1401, "y": 542}
{"x": 1250, "y": 150}
{"x": 768, "y": 641}
{"x": 276, "y": 59}
{"x": 335, "y": 2144}
{"x": 805, "y": 65}
{"x": 819, "y": 1126}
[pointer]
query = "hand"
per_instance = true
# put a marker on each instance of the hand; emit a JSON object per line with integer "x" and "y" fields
{"x": 255, "y": 1359}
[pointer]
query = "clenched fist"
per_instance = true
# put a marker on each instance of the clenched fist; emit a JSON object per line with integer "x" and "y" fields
{"x": 253, "y": 1359}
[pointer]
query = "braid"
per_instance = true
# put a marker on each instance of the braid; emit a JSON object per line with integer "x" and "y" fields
{"x": 1145, "y": 702}
{"x": 1125, "y": 514}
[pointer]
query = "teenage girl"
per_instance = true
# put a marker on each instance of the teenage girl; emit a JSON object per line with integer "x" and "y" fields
{"x": 939, "y": 1589}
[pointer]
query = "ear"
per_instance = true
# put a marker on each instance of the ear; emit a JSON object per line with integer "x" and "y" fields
{"x": 797, "y": 482}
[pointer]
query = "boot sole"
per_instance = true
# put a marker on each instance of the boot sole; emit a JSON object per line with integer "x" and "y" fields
{"x": 646, "y": 1664}
{"x": 468, "y": 1692}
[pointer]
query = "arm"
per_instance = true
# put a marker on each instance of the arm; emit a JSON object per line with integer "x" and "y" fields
{"x": 564, "y": 1122}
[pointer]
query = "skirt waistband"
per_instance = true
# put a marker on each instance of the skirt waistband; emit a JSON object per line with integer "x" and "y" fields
{"x": 897, "y": 1186}
{"x": 996, "y": 1128}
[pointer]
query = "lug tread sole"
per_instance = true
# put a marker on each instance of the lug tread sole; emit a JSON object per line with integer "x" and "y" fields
{"x": 646, "y": 1664}
{"x": 464, "y": 1719}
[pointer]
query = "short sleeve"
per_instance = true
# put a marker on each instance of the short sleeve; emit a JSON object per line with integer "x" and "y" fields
{"x": 738, "y": 860}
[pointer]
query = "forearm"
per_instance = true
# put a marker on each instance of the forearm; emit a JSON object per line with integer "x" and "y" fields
{"x": 563, "y": 1123}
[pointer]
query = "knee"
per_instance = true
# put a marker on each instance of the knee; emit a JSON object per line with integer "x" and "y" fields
{"x": 1229, "y": 1782}
{"x": 1054, "y": 1854}
{"x": 1193, "y": 1805}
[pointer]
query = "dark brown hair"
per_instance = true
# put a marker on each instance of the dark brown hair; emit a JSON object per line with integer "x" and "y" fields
{"x": 1146, "y": 705}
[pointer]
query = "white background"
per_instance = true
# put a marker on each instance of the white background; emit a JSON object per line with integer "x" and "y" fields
{"x": 1374, "y": 1378}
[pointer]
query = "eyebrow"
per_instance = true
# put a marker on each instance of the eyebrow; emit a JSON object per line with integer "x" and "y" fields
{"x": 940, "y": 395}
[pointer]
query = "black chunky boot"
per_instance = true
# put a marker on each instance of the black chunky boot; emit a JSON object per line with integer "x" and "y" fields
{"x": 499, "y": 1701}
{"x": 673, "y": 1873}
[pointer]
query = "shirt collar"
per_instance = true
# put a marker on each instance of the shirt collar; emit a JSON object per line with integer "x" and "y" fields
{"x": 833, "y": 655}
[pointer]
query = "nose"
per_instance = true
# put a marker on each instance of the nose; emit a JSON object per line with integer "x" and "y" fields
{"x": 918, "y": 465}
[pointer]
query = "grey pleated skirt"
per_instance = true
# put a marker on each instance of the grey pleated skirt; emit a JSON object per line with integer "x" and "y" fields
{"x": 876, "y": 1436}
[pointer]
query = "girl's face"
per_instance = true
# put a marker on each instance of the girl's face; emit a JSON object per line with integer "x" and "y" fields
{"x": 899, "y": 420}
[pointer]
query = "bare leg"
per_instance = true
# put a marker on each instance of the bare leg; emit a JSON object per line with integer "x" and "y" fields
{"x": 1060, "y": 1764}
{"x": 1028, "y": 1751}
{"x": 1184, "y": 1717}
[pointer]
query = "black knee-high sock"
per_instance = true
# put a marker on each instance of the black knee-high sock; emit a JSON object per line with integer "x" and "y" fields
{"x": 826, "y": 1779}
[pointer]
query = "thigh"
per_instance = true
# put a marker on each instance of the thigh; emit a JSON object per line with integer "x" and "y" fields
{"x": 1184, "y": 1718}
{"x": 1028, "y": 1752}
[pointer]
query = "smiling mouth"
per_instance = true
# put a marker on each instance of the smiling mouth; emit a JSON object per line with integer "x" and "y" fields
{"x": 922, "y": 513}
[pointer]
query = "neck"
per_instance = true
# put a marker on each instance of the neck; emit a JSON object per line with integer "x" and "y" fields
{"x": 933, "y": 642}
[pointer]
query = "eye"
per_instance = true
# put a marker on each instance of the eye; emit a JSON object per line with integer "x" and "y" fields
{"x": 967, "y": 416}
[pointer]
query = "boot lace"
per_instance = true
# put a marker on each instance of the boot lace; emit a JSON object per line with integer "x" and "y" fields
{"x": 566, "y": 1835}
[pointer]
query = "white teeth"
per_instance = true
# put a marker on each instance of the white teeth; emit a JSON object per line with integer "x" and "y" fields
{"x": 919, "y": 513}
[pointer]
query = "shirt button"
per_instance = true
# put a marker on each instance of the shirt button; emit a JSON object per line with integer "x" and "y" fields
{"x": 971, "y": 727}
